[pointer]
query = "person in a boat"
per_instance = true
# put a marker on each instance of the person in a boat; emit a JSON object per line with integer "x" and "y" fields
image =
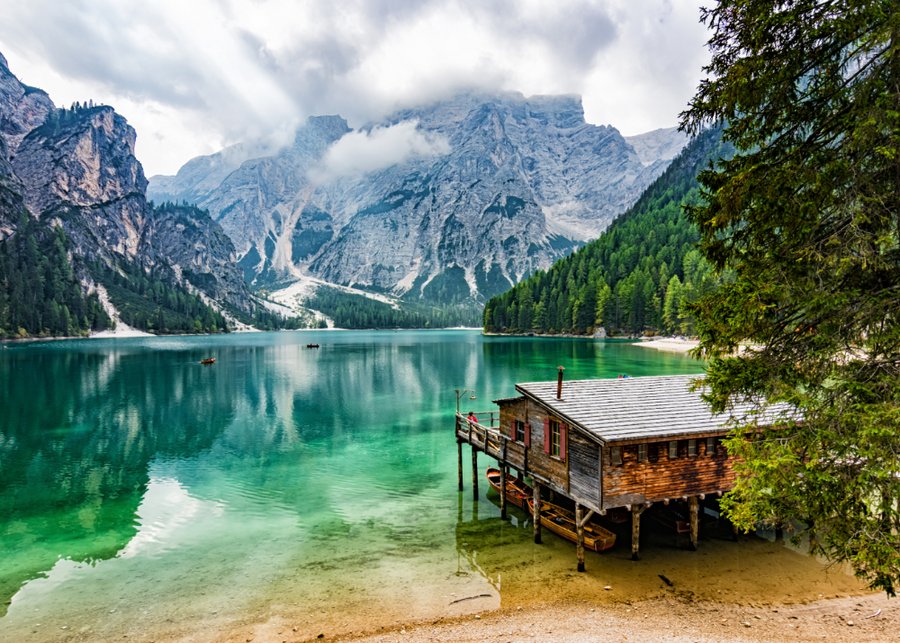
{"x": 472, "y": 418}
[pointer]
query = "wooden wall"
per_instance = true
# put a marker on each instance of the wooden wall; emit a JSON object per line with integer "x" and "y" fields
{"x": 635, "y": 482}
{"x": 584, "y": 470}
{"x": 551, "y": 469}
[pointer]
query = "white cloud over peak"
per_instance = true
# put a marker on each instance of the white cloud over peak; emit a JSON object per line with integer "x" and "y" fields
{"x": 362, "y": 152}
{"x": 193, "y": 77}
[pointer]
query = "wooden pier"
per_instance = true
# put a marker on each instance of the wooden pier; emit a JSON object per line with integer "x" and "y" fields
{"x": 609, "y": 444}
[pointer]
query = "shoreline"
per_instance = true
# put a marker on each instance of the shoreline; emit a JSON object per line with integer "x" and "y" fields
{"x": 669, "y": 344}
{"x": 672, "y": 617}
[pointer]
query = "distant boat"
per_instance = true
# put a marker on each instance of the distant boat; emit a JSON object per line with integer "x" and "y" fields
{"x": 208, "y": 360}
{"x": 561, "y": 521}
{"x": 517, "y": 492}
{"x": 312, "y": 345}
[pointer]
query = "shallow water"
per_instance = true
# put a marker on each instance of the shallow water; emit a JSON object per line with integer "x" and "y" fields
{"x": 143, "y": 494}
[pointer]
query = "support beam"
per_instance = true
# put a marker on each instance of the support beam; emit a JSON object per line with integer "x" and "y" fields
{"x": 694, "y": 507}
{"x": 579, "y": 531}
{"x": 503, "y": 492}
{"x": 474, "y": 473}
{"x": 636, "y": 511}
{"x": 586, "y": 517}
{"x": 459, "y": 462}
{"x": 536, "y": 513}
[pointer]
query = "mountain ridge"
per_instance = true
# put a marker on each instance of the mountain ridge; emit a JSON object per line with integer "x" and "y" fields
{"x": 70, "y": 177}
{"x": 522, "y": 182}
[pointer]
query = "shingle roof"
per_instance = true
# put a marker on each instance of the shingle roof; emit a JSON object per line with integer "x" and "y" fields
{"x": 635, "y": 408}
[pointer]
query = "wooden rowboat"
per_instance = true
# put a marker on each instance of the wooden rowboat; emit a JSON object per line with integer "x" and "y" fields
{"x": 561, "y": 521}
{"x": 208, "y": 360}
{"x": 517, "y": 492}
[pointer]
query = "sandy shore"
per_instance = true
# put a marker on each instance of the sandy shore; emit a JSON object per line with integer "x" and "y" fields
{"x": 669, "y": 344}
{"x": 872, "y": 617}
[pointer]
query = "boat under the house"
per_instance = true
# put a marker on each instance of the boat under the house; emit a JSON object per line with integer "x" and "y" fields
{"x": 610, "y": 448}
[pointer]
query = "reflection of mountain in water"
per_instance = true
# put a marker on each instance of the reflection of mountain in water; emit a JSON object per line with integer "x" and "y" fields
{"x": 76, "y": 435}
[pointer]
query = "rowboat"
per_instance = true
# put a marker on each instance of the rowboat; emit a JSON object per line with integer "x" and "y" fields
{"x": 561, "y": 521}
{"x": 517, "y": 492}
{"x": 208, "y": 360}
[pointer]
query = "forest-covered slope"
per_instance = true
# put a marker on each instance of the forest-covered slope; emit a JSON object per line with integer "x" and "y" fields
{"x": 638, "y": 276}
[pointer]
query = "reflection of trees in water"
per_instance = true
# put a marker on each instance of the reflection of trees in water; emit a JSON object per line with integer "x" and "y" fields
{"x": 485, "y": 543}
{"x": 76, "y": 435}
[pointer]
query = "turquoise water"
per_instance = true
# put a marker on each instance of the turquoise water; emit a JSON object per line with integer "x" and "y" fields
{"x": 145, "y": 495}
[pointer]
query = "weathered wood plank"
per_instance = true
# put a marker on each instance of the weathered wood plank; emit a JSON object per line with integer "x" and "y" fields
{"x": 584, "y": 469}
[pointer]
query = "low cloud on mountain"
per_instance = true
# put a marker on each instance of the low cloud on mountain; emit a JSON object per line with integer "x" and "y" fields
{"x": 194, "y": 77}
{"x": 362, "y": 152}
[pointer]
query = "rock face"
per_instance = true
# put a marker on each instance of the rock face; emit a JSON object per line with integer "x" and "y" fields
{"x": 201, "y": 252}
{"x": 658, "y": 145}
{"x": 76, "y": 168}
{"x": 22, "y": 108}
{"x": 505, "y": 186}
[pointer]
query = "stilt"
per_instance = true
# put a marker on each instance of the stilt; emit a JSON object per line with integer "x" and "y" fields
{"x": 503, "y": 492}
{"x": 474, "y": 474}
{"x": 459, "y": 462}
{"x": 779, "y": 535}
{"x": 536, "y": 514}
{"x": 579, "y": 530}
{"x": 636, "y": 511}
{"x": 694, "y": 507}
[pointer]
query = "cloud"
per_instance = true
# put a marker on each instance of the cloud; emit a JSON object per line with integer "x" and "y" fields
{"x": 362, "y": 152}
{"x": 196, "y": 76}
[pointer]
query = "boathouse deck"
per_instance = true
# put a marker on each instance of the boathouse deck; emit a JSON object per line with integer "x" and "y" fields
{"x": 612, "y": 443}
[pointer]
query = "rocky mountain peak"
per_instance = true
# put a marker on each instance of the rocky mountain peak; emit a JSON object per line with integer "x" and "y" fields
{"x": 81, "y": 156}
{"x": 22, "y": 108}
{"x": 518, "y": 182}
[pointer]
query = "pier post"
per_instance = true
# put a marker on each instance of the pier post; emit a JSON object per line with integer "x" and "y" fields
{"x": 459, "y": 462}
{"x": 536, "y": 513}
{"x": 694, "y": 507}
{"x": 579, "y": 530}
{"x": 503, "y": 492}
{"x": 474, "y": 473}
{"x": 636, "y": 511}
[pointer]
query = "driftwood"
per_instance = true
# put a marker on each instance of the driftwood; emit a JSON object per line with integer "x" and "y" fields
{"x": 469, "y": 598}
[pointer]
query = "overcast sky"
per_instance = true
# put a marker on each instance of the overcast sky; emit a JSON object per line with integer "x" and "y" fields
{"x": 193, "y": 76}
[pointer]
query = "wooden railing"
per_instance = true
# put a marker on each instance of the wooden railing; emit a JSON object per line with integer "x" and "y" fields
{"x": 488, "y": 438}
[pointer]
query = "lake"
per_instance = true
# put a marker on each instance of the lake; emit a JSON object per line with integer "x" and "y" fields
{"x": 284, "y": 488}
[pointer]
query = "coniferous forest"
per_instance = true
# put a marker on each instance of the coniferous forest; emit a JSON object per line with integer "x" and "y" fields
{"x": 639, "y": 276}
{"x": 356, "y": 311}
{"x": 40, "y": 294}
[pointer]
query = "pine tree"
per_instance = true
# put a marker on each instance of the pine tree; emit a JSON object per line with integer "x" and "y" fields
{"x": 803, "y": 224}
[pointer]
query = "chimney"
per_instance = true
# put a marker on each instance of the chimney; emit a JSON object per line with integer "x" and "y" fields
{"x": 559, "y": 383}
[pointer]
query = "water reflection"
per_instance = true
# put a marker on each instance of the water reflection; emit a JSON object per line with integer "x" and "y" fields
{"x": 195, "y": 484}
{"x": 77, "y": 432}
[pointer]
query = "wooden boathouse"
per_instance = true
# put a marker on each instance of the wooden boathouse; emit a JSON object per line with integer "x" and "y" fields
{"x": 609, "y": 444}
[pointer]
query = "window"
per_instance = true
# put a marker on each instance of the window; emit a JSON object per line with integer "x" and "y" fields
{"x": 655, "y": 450}
{"x": 673, "y": 449}
{"x": 615, "y": 456}
{"x": 692, "y": 448}
{"x": 642, "y": 453}
{"x": 710, "y": 446}
{"x": 520, "y": 431}
{"x": 555, "y": 438}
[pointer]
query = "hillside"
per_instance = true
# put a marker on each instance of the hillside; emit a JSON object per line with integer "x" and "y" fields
{"x": 638, "y": 276}
{"x": 81, "y": 247}
{"x": 490, "y": 188}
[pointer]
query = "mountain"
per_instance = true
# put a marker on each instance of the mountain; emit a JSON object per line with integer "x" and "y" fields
{"x": 490, "y": 189}
{"x": 641, "y": 274}
{"x": 72, "y": 194}
{"x": 658, "y": 145}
